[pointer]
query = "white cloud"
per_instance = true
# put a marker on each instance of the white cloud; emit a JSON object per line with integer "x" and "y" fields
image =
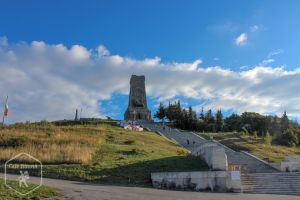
{"x": 79, "y": 52}
{"x": 47, "y": 81}
{"x": 254, "y": 28}
{"x": 186, "y": 66}
{"x": 244, "y": 67}
{"x": 267, "y": 62}
{"x": 241, "y": 39}
{"x": 270, "y": 58}
{"x": 102, "y": 51}
{"x": 275, "y": 52}
{"x": 3, "y": 41}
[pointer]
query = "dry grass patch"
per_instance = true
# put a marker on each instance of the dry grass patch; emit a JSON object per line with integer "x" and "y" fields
{"x": 50, "y": 143}
{"x": 255, "y": 145}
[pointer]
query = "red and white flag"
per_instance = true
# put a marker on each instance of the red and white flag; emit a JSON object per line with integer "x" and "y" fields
{"x": 5, "y": 112}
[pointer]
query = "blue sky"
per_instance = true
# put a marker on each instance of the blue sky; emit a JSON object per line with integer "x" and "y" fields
{"x": 251, "y": 39}
{"x": 180, "y": 31}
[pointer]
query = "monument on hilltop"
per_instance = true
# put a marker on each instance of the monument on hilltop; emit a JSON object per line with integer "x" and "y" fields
{"x": 137, "y": 105}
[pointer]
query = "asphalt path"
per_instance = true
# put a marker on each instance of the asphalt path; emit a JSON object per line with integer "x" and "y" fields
{"x": 87, "y": 191}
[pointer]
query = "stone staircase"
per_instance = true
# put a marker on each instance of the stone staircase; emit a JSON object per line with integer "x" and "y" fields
{"x": 257, "y": 176}
{"x": 248, "y": 163}
{"x": 176, "y": 135}
{"x": 271, "y": 183}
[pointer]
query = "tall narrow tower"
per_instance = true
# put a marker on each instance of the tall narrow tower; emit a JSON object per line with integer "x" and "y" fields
{"x": 137, "y": 105}
{"x": 76, "y": 115}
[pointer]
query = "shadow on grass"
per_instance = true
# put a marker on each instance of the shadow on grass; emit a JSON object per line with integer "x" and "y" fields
{"x": 233, "y": 144}
{"x": 140, "y": 173}
{"x": 136, "y": 174}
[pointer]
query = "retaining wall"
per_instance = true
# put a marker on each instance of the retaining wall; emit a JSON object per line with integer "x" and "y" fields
{"x": 217, "y": 181}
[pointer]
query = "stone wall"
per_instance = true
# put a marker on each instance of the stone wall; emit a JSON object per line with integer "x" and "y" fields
{"x": 291, "y": 164}
{"x": 213, "y": 154}
{"x": 217, "y": 181}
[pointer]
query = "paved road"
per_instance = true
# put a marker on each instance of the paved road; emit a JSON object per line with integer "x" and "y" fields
{"x": 85, "y": 191}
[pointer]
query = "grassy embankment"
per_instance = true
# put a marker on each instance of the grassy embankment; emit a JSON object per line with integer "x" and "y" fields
{"x": 254, "y": 145}
{"x": 40, "y": 193}
{"x": 102, "y": 152}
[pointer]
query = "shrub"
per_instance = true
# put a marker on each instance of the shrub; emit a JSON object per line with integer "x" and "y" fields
{"x": 13, "y": 142}
{"x": 255, "y": 135}
{"x": 289, "y": 138}
{"x": 243, "y": 133}
{"x": 129, "y": 142}
{"x": 267, "y": 138}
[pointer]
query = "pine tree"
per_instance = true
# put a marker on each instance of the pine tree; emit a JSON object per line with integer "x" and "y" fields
{"x": 191, "y": 118}
{"x": 209, "y": 118}
{"x": 219, "y": 121}
{"x": 160, "y": 114}
{"x": 201, "y": 123}
{"x": 184, "y": 119}
{"x": 201, "y": 117}
{"x": 209, "y": 121}
{"x": 170, "y": 112}
{"x": 178, "y": 111}
{"x": 284, "y": 122}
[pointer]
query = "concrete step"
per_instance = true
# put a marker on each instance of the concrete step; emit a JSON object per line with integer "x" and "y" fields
{"x": 279, "y": 192}
{"x": 266, "y": 179}
{"x": 273, "y": 186}
{"x": 271, "y": 183}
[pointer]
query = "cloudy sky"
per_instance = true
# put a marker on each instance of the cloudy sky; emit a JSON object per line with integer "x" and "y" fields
{"x": 58, "y": 56}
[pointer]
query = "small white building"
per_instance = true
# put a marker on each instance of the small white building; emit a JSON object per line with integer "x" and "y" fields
{"x": 130, "y": 125}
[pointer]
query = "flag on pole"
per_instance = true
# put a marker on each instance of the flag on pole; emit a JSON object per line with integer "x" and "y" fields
{"x": 5, "y": 112}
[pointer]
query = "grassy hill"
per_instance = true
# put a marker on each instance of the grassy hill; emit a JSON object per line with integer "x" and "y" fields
{"x": 254, "y": 145}
{"x": 99, "y": 152}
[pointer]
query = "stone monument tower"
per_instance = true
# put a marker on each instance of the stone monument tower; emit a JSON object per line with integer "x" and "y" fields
{"x": 137, "y": 105}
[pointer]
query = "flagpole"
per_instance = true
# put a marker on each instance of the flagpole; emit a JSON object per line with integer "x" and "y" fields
{"x": 3, "y": 111}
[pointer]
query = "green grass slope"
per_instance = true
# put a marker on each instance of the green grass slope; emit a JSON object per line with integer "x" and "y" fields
{"x": 40, "y": 193}
{"x": 254, "y": 145}
{"x": 97, "y": 152}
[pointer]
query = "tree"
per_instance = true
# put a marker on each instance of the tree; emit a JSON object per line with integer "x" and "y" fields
{"x": 160, "y": 114}
{"x": 209, "y": 118}
{"x": 267, "y": 138}
{"x": 233, "y": 122}
{"x": 289, "y": 138}
{"x": 184, "y": 124}
{"x": 192, "y": 118}
{"x": 219, "y": 121}
{"x": 170, "y": 112}
{"x": 201, "y": 116}
{"x": 209, "y": 122}
{"x": 284, "y": 122}
{"x": 201, "y": 121}
{"x": 274, "y": 126}
{"x": 254, "y": 122}
{"x": 178, "y": 111}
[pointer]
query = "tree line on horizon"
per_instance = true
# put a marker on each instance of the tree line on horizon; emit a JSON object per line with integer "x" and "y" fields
{"x": 274, "y": 129}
